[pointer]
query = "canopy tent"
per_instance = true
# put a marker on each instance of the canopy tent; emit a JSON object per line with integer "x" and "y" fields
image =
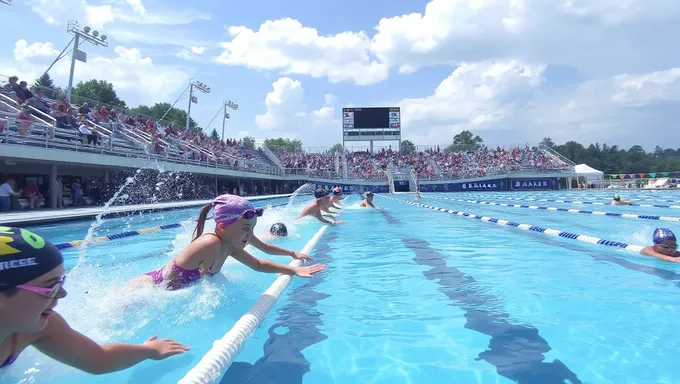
{"x": 592, "y": 175}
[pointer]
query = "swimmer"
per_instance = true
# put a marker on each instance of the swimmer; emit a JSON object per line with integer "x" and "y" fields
{"x": 617, "y": 200}
{"x": 320, "y": 203}
{"x": 279, "y": 230}
{"x": 235, "y": 219}
{"x": 417, "y": 195}
{"x": 665, "y": 246}
{"x": 336, "y": 197}
{"x": 31, "y": 284}
{"x": 368, "y": 202}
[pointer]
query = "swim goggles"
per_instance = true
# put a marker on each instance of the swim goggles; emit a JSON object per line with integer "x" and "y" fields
{"x": 666, "y": 246}
{"x": 247, "y": 214}
{"x": 50, "y": 292}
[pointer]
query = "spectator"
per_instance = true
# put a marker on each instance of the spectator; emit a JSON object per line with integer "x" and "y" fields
{"x": 33, "y": 195}
{"x": 6, "y": 194}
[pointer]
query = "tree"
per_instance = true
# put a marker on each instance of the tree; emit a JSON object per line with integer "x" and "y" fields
{"x": 287, "y": 145}
{"x": 408, "y": 147}
{"x": 96, "y": 90}
{"x": 176, "y": 116}
{"x": 249, "y": 142}
{"x": 548, "y": 142}
{"x": 214, "y": 135}
{"x": 337, "y": 148}
{"x": 465, "y": 141}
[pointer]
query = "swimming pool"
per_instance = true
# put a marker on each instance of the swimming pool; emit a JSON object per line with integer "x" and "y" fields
{"x": 410, "y": 295}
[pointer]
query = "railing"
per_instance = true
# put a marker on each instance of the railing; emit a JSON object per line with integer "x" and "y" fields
{"x": 553, "y": 152}
{"x": 271, "y": 156}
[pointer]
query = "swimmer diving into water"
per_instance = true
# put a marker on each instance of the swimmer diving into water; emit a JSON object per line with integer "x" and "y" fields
{"x": 368, "y": 202}
{"x": 665, "y": 246}
{"x": 617, "y": 200}
{"x": 320, "y": 203}
{"x": 235, "y": 219}
{"x": 336, "y": 198}
{"x": 31, "y": 284}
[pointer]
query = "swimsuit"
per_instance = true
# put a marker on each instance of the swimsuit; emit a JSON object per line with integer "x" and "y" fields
{"x": 10, "y": 358}
{"x": 184, "y": 276}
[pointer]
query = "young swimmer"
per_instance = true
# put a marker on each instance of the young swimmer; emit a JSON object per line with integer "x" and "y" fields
{"x": 235, "y": 219}
{"x": 368, "y": 202}
{"x": 31, "y": 284}
{"x": 665, "y": 246}
{"x": 336, "y": 197}
{"x": 617, "y": 200}
{"x": 279, "y": 230}
{"x": 319, "y": 204}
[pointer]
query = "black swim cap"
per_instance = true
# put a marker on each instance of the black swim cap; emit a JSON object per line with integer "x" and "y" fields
{"x": 24, "y": 256}
{"x": 320, "y": 193}
{"x": 279, "y": 229}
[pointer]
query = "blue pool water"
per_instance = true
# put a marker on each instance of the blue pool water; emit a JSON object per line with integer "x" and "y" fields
{"x": 410, "y": 296}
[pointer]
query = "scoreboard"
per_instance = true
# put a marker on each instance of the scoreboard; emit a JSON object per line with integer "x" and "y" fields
{"x": 371, "y": 124}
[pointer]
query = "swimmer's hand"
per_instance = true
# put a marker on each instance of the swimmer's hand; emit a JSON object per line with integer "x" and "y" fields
{"x": 339, "y": 222}
{"x": 309, "y": 271}
{"x": 164, "y": 348}
{"x": 300, "y": 256}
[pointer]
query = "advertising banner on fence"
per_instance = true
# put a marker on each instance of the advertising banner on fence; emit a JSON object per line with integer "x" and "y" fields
{"x": 472, "y": 186}
{"x": 534, "y": 184}
{"x": 354, "y": 188}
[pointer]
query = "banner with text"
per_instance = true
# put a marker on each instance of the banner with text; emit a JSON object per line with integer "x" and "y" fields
{"x": 472, "y": 186}
{"x": 353, "y": 188}
{"x": 534, "y": 184}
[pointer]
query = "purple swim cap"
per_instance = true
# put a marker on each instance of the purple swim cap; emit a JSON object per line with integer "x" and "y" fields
{"x": 663, "y": 234}
{"x": 229, "y": 208}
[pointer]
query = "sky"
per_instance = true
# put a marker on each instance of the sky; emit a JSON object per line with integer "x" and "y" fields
{"x": 511, "y": 71}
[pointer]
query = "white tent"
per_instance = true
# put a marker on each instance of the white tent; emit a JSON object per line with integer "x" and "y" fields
{"x": 592, "y": 175}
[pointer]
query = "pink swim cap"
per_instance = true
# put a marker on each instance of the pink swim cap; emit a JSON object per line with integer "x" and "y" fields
{"x": 229, "y": 208}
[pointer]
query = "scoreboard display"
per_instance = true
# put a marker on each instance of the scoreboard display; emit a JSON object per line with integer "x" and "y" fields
{"x": 371, "y": 118}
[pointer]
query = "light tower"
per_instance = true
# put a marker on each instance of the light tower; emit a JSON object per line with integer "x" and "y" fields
{"x": 87, "y": 34}
{"x": 8, "y": 2}
{"x": 199, "y": 86}
{"x": 231, "y": 105}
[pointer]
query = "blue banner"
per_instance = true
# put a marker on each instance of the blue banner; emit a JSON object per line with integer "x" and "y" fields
{"x": 472, "y": 186}
{"x": 534, "y": 184}
{"x": 354, "y": 188}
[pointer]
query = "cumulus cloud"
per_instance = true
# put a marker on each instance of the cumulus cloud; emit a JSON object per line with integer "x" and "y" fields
{"x": 136, "y": 78}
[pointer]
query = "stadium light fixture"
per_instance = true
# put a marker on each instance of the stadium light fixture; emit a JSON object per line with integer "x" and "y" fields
{"x": 200, "y": 87}
{"x": 8, "y": 2}
{"x": 86, "y": 34}
{"x": 231, "y": 105}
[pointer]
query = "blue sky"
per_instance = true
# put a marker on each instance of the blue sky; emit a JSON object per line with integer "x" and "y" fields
{"x": 512, "y": 71}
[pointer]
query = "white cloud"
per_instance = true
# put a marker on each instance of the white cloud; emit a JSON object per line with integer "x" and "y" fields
{"x": 291, "y": 48}
{"x": 288, "y": 116}
{"x": 136, "y": 78}
{"x": 198, "y": 50}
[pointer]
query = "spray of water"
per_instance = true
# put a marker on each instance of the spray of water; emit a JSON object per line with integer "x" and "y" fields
{"x": 305, "y": 188}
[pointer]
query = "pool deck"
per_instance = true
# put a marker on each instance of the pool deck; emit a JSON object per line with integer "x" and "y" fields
{"x": 42, "y": 216}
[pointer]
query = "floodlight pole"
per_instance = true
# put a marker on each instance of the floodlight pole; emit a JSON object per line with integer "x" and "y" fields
{"x": 87, "y": 34}
{"x": 200, "y": 87}
{"x": 231, "y": 105}
{"x": 73, "y": 68}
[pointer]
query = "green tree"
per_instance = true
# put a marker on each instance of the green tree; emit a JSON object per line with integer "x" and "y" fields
{"x": 97, "y": 90}
{"x": 465, "y": 141}
{"x": 287, "y": 145}
{"x": 337, "y": 148}
{"x": 408, "y": 147}
{"x": 548, "y": 142}
{"x": 176, "y": 116}
{"x": 249, "y": 142}
{"x": 214, "y": 135}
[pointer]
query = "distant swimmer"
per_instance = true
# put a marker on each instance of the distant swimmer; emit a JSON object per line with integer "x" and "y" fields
{"x": 368, "y": 202}
{"x": 617, "y": 200}
{"x": 665, "y": 246}
{"x": 417, "y": 195}
{"x": 235, "y": 219}
{"x": 315, "y": 208}
{"x": 32, "y": 279}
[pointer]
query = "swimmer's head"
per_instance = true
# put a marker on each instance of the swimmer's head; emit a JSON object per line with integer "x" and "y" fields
{"x": 337, "y": 191}
{"x": 279, "y": 229}
{"x": 665, "y": 241}
{"x": 31, "y": 280}
{"x": 369, "y": 196}
{"x": 320, "y": 194}
{"x": 617, "y": 197}
{"x": 235, "y": 219}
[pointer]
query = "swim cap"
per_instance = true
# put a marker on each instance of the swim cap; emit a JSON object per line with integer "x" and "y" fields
{"x": 320, "y": 193}
{"x": 369, "y": 193}
{"x": 229, "y": 208}
{"x": 279, "y": 229}
{"x": 24, "y": 256}
{"x": 337, "y": 191}
{"x": 617, "y": 197}
{"x": 663, "y": 234}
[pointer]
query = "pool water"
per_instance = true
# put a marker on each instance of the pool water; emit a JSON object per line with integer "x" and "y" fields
{"x": 410, "y": 295}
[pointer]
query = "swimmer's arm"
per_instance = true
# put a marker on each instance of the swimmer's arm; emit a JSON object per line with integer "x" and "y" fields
{"x": 371, "y": 204}
{"x": 335, "y": 206}
{"x": 269, "y": 248}
{"x": 260, "y": 265}
{"x": 63, "y": 343}
{"x": 321, "y": 218}
{"x": 649, "y": 251}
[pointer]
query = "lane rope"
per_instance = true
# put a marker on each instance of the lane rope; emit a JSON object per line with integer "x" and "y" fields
{"x": 592, "y": 202}
{"x": 529, "y": 227}
{"x": 556, "y": 209}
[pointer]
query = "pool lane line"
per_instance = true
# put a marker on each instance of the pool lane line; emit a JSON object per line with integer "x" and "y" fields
{"x": 596, "y": 203}
{"x": 123, "y": 235}
{"x": 214, "y": 364}
{"x": 528, "y": 227}
{"x": 297, "y": 327}
{"x": 556, "y": 209}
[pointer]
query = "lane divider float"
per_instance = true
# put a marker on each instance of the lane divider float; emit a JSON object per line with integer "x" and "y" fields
{"x": 529, "y": 227}
{"x": 599, "y": 203}
{"x": 556, "y": 209}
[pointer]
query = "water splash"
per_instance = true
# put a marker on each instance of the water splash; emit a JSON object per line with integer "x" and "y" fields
{"x": 305, "y": 188}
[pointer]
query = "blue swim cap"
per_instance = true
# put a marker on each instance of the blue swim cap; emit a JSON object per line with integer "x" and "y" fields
{"x": 663, "y": 234}
{"x": 24, "y": 256}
